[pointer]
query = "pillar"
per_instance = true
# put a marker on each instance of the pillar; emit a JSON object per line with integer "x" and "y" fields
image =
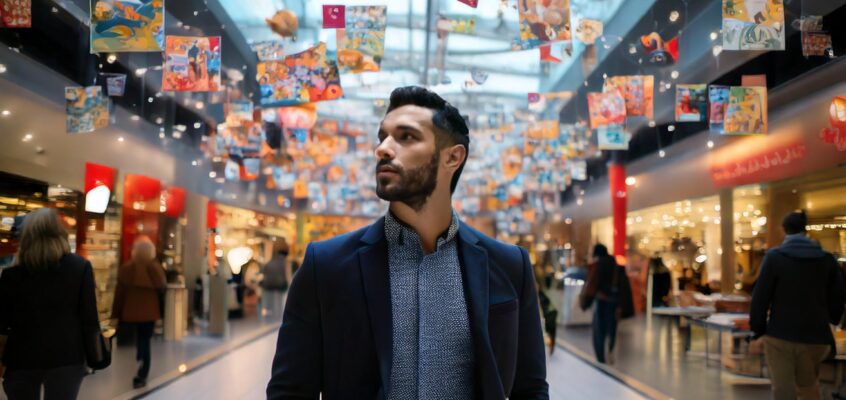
{"x": 617, "y": 180}
{"x": 727, "y": 260}
{"x": 194, "y": 242}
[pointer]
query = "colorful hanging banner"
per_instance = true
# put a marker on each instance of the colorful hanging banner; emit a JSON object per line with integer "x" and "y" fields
{"x": 87, "y": 109}
{"x": 638, "y": 92}
{"x": 588, "y": 30}
{"x": 753, "y": 25}
{"x": 659, "y": 51}
{"x": 127, "y": 26}
{"x": 608, "y": 108}
{"x": 612, "y": 137}
{"x": 15, "y": 13}
{"x": 747, "y": 111}
{"x": 334, "y": 16}
{"x": 306, "y": 77}
{"x": 816, "y": 44}
{"x": 718, "y": 98}
{"x": 471, "y": 3}
{"x": 99, "y": 186}
{"x": 191, "y": 64}
{"x": 361, "y": 45}
{"x": 691, "y": 103}
{"x": 269, "y": 50}
{"x": 543, "y": 22}
{"x": 835, "y": 134}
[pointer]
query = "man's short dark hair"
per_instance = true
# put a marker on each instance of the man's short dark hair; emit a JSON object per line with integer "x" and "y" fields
{"x": 795, "y": 222}
{"x": 599, "y": 250}
{"x": 451, "y": 128}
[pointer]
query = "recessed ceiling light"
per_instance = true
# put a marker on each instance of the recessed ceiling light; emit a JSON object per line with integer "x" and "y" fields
{"x": 6, "y": 113}
{"x": 27, "y": 137}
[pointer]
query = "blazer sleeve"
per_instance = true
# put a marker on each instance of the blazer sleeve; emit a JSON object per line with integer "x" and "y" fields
{"x": 297, "y": 367}
{"x": 88, "y": 307}
{"x": 530, "y": 379}
{"x": 762, "y": 296}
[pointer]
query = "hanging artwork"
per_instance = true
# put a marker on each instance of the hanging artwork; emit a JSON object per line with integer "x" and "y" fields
{"x": 543, "y": 130}
{"x": 753, "y": 25}
{"x": 284, "y": 23}
{"x": 87, "y": 109}
{"x": 588, "y": 30}
{"x": 239, "y": 112}
{"x": 658, "y": 51}
{"x": 361, "y": 45}
{"x": 333, "y": 16}
{"x": 548, "y": 105}
{"x": 465, "y": 25}
{"x": 115, "y": 83}
{"x": 816, "y": 44}
{"x": 747, "y": 110}
{"x": 578, "y": 170}
{"x": 835, "y": 134}
{"x": 269, "y": 50}
{"x": 718, "y": 98}
{"x": 127, "y": 26}
{"x": 543, "y": 22}
{"x": 691, "y": 103}
{"x": 638, "y": 92}
{"x": 191, "y": 64}
{"x": 15, "y": 13}
{"x": 612, "y": 137}
{"x": 471, "y": 3}
{"x": 606, "y": 108}
{"x": 304, "y": 77}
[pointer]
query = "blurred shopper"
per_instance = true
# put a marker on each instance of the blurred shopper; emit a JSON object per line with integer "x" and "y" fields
{"x": 137, "y": 302}
{"x": 275, "y": 280}
{"x": 47, "y": 310}
{"x": 801, "y": 289}
{"x": 608, "y": 289}
{"x": 661, "y": 282}
{"x": 418, "y": 305}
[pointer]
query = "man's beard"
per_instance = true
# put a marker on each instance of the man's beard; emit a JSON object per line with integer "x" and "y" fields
{"x": 414, "y": 186}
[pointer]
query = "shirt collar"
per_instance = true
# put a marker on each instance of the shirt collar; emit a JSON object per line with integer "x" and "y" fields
{"x": 397, "y": 231}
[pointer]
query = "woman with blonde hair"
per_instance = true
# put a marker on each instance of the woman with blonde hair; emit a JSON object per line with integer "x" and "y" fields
{"x": 136, "y": 300}
{"x": 47, "y": 313}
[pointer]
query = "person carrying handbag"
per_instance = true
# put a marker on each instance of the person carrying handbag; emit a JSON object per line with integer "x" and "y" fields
{"x": 608, "y": 289}
{"x": 48, "y": 314}
{"x": 137, "y": 301}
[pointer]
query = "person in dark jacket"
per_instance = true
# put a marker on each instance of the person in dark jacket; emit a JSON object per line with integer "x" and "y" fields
{"x": 661, "y": 281}
{"x": 801, "y": 289}
{"x": 601, "y": 288}
{"x": 136, "y": 301}
{"x": 275, "y": 280}
{"x": 47, "y": 309}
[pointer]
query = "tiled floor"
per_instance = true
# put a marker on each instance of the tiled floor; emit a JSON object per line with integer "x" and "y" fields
{"x": 116, "y": 381}
{"x": 653, "y": 355}
{"x": 243, "y": 374}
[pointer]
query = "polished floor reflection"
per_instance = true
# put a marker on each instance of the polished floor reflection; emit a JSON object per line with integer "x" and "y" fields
{"x": 243, "y": 374}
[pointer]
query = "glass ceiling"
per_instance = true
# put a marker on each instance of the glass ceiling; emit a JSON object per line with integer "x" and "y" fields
{"x": 511, "y": 74}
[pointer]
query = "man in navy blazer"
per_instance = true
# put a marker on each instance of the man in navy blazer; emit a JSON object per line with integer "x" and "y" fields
{"x": 418, "y": 305}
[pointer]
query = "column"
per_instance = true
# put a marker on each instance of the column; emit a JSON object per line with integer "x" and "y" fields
{"x": 194, "y": 242}
{"x": 727, "y": 260}
{"x": 617, "y": 180}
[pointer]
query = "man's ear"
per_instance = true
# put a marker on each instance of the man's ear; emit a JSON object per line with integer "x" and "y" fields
{"x": 455, "y": 155}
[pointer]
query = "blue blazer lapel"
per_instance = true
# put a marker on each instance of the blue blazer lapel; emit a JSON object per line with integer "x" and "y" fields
{"x": 373, "y": 262}
{"x": 474, "y": 268}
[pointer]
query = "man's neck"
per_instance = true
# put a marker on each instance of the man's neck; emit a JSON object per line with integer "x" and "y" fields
{"x": 429, "y": 222}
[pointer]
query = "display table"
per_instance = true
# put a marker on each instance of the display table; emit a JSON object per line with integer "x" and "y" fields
{"x": 739, "y": 360}
{"x": 176, "y": 312}
{"x": 681, "y": 314}
{"x": 571, "y": 313}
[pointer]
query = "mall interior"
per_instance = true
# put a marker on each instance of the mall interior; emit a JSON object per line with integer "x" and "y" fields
{"x": 678, "y": 133}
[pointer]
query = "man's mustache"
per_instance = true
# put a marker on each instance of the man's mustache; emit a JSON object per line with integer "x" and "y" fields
{"x": 387, "y": 163}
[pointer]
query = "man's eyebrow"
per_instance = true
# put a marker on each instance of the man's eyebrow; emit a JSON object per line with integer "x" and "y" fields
{"x": 408, "y": 128}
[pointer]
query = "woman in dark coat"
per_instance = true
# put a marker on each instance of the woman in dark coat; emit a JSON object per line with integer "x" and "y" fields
{"x": 47, "y": 310}
{"x": 137, "y": 301}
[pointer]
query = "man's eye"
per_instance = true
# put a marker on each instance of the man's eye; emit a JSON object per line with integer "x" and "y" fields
{"x": 406, "y": 136}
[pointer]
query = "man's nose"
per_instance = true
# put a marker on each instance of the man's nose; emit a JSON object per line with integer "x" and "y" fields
{"x": 385, "y": 150}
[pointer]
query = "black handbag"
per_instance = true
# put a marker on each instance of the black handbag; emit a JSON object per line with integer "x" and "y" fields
{"x": 98, "y": 350}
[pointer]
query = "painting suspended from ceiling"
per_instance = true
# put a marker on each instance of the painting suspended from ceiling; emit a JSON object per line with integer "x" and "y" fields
{"x": 115, "y": 83}
{"x": 588, "y": 30}
{"x": 691, "y": 103}
{"x": 87, "y": 109}
{"x": 306, "y": 77}
{"x": 608, "y": 108}
{"x": 548, "y": 105}
{"x": 127, "y": 26}
{"x": 612, "y": 137}
{"x": 542, "y": 21}
{"x": 15, "y": 13}
{"x": 269, "y": 50}
{"x": 718, "y": 97}
{"x": 361, "y": 45}
{"x": 753, "y": 25}
{"x": 191, "y": 64}
{"x": 747, "y": 111}
{"x": 638, "y": 92}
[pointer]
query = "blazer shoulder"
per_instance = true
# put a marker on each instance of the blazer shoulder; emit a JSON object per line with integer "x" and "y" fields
{"x": 347, "y": 240}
